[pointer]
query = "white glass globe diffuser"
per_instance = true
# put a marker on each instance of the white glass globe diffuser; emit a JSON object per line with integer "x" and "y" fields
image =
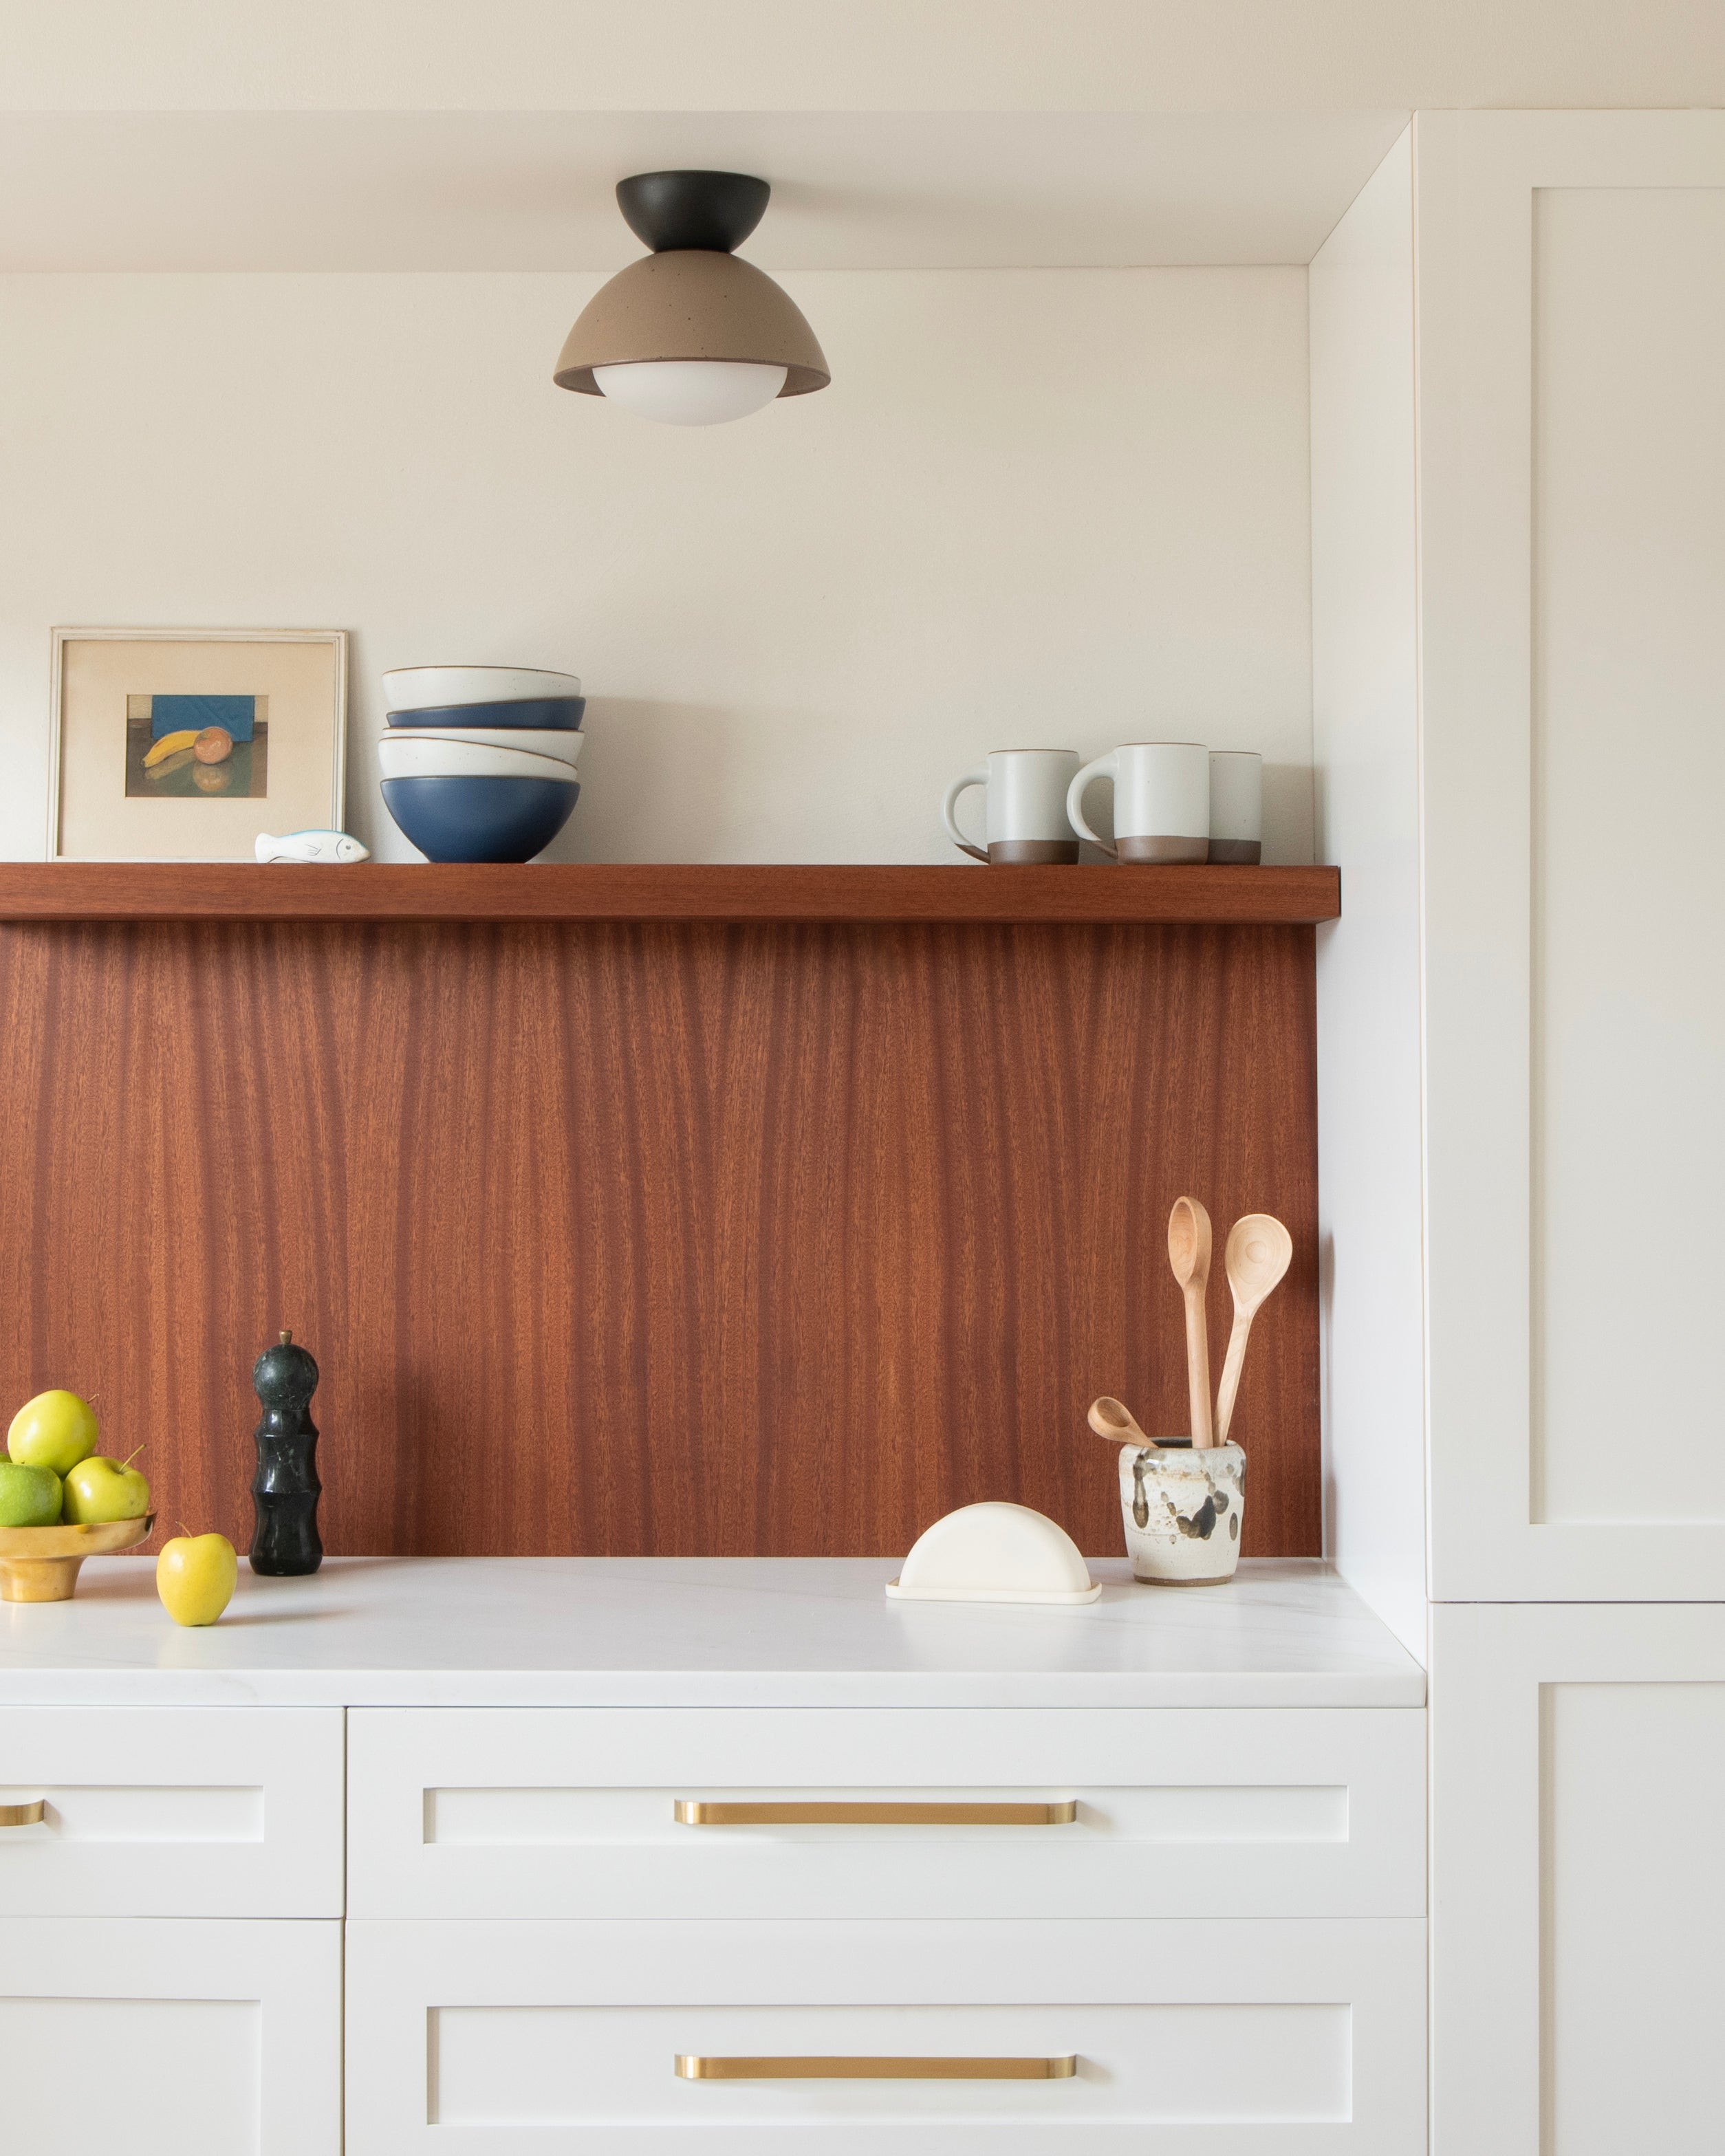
{"x": 690, "y": 392}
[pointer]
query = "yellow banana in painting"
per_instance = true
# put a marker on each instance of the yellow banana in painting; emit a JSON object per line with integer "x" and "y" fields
{"x": 169, "y": 744}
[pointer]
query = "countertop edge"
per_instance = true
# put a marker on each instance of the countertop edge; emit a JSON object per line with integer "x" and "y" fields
{"x": 732, "y": 1689}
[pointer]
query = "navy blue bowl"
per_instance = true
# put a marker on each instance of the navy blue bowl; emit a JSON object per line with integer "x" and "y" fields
{"x": 480, "y": 819}
{"x": 562, "y": 714}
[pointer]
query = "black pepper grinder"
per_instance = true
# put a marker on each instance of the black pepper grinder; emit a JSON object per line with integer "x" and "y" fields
{"x": 285, "y": 1489}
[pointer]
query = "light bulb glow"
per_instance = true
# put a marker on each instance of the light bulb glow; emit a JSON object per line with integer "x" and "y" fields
{"x": 690, "y": 392}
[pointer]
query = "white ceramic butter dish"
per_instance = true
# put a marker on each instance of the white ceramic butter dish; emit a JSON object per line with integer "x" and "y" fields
{"x": 994, "y": 1552}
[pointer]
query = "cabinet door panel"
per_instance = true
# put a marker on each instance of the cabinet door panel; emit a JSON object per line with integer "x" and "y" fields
{"x": 160, "y": 2037}
{"x": 1572, "y": 456}
{"x": 573, "y": 1813}
{"x": 172, "y": 1811}
{"x": 481, "y": 2037}
{"x": 1578, "y": 1878}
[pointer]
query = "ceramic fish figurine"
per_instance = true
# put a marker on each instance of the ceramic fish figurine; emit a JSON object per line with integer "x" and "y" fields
{"x": 312, "y": 846}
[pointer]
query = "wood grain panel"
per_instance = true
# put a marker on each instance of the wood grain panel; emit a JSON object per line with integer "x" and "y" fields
{"x": 654, "y": 1239}
{"x": 678, "y": 890}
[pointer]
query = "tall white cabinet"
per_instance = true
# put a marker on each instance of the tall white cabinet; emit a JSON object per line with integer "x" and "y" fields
{"x": 1518, "y": 446}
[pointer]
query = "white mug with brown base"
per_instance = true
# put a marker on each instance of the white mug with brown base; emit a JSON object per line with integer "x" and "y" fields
{"x": 1026, "y": 815}
{"x": 1162, "y": 801}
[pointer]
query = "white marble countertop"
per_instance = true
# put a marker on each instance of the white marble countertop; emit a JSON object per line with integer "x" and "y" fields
{"x": 698, "y": 1632}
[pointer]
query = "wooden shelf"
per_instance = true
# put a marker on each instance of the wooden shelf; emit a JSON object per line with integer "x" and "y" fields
{"x": 173, "y": 891}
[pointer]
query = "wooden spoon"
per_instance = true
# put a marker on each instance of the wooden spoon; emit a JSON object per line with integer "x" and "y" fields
{"x": 1259, "y": 1248}
{"x": 1115, "y": 1421}
{"x": 1189, "y": 1252}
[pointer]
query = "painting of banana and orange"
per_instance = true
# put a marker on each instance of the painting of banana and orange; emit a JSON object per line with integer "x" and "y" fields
{"x": 185, "y": 744}
{"x": 185, "y": 747}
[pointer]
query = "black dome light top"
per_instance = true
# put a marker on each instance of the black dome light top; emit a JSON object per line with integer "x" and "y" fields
{"x": 715, "y": 212}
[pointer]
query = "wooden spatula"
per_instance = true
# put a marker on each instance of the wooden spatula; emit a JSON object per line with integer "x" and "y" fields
{"x": 1189, "y": 1252}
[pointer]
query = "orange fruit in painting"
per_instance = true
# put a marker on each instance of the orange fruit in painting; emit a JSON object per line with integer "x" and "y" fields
{"x": 215, "y": 745}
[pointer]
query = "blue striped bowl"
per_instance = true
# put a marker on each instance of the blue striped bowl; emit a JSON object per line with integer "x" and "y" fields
{"x": 561, "y": 714}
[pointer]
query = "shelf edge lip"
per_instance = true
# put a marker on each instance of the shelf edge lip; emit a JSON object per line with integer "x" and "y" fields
{"x": 723, "y": 894}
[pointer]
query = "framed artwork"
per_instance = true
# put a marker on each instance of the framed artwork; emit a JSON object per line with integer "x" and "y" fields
{"x": 183, "y": 744}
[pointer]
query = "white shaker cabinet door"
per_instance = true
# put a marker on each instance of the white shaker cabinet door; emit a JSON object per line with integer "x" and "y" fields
{"x": 724, "y": 1812}
{"x": 164, "y": 2037}
{"x": 1571, "y": 274}
{"x": 1227, "y": 2038}
{"x": 1578, "y": 1879}
{"x": 165, "y": 1811}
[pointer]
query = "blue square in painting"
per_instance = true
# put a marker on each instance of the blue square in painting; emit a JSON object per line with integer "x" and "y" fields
{"x": 172, "y": 715}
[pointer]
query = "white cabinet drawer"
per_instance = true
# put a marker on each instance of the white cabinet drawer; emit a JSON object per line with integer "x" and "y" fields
{"x": 169, "y": 2039}
{"x": 1226, "y": 2038}
{"x": 573, "y": 1813}
{"x": 172, "y": 1811}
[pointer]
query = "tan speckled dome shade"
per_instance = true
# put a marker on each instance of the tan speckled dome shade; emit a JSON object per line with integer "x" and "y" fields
{"x": 692, "y": 303}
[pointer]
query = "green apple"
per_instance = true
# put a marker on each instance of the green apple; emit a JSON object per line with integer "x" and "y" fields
{"x": 102, "y": 1489}
{"x": 56, "y": 1430}
{"x": 29, "y": 1496}
{"x": 195, "y": 1576}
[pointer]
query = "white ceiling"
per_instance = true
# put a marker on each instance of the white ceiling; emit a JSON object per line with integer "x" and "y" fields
{"x": 857, "y": 55}
{"x": 384, "y": 190}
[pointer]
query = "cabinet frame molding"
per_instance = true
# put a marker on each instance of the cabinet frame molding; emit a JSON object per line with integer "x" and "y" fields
{"x": 1477, "y": 177}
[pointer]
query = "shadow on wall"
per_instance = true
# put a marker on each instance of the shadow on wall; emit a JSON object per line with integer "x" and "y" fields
{"x": 659, "y": 782}
{"x": 1288, "y": 814}
{"x": 664, "y": 781}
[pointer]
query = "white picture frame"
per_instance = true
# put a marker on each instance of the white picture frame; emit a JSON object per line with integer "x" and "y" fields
{"x": 94, "y": 812}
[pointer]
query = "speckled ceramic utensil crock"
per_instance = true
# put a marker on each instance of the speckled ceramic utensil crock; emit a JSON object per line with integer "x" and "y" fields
{"x": 1184, "y": 1511}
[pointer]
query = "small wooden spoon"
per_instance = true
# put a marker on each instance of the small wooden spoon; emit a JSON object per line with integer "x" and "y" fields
{"x": 1259, "y": 1248}
{"x": 1189, "y": 1252}
{"x": 1115, "y": 1421}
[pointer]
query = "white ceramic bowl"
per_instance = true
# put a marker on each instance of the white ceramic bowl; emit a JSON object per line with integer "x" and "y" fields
{"x": 461, "y": 759}
{"x": 994, "y": 1552}
{"x": 533, "y": 741}
{"x": 428, "y": 688}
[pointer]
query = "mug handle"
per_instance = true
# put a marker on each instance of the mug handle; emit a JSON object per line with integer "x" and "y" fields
{"x": 1104, "y": 767}
{"x": 979, "y": 777}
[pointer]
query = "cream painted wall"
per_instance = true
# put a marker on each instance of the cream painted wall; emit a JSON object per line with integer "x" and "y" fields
{"x": 1057, "y": 506}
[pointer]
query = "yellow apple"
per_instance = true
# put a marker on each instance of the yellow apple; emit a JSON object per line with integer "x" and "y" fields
{"x": 101, "y": 1489}
{"x": 56, "y": 1430}
{"x": 195, "y": 1576}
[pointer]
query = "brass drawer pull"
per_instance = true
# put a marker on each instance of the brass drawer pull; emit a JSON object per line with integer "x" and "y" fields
{"x": 691, "y": 1813}
{"x": 23, "y": 1814}
{"x": 692, "y": 2068}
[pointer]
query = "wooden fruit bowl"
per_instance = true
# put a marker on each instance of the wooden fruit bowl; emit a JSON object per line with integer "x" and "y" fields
{"x": 40, "y": 1564}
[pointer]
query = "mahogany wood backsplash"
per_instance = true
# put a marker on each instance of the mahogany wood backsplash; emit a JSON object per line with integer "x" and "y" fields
{"x": 654, "y": 1239}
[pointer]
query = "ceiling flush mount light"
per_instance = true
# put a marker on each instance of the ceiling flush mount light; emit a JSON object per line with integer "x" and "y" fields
{"x": 690, "y": 334}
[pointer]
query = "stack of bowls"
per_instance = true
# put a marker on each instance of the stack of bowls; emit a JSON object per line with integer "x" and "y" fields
{"x": 478, "y": 761}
